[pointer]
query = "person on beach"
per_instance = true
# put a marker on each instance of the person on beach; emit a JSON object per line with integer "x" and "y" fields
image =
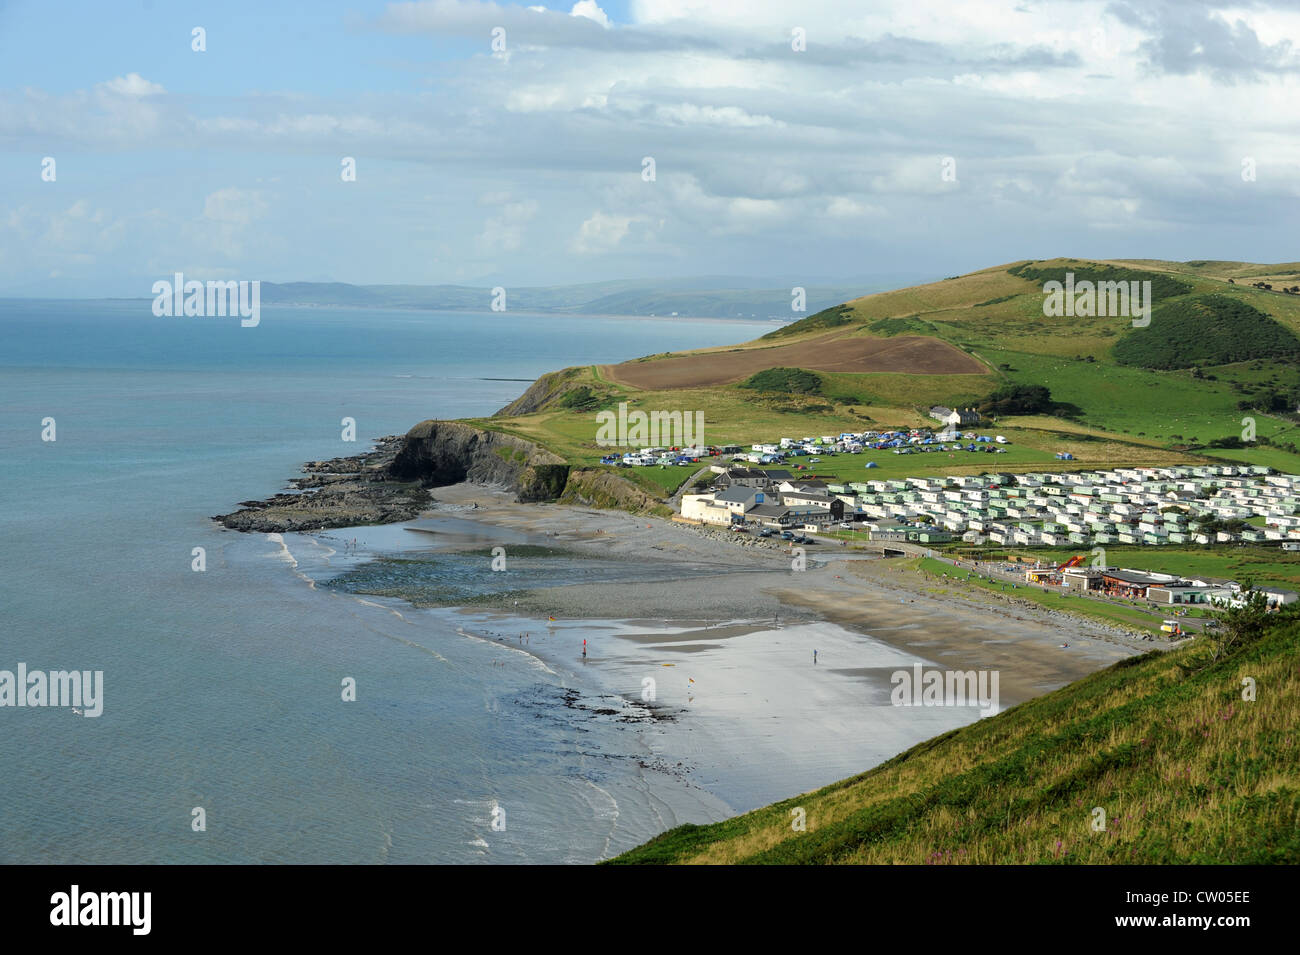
{"x": 814, "y": 658}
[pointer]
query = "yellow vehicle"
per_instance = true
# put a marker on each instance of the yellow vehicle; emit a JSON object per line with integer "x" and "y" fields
{"x": 1170, "y": 626}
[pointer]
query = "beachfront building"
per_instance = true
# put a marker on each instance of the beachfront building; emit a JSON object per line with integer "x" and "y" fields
{"x": 783, "y": 516}
{"x": 1180, "y": 594}
{"x": 1132, "y": 583}
{"x": 1275, "y": 597}
{"x": 770, "y": 515}
{"x": 703, "y": 508}
{"x": 812, "y": 499}
{"x": 740, "y": 499}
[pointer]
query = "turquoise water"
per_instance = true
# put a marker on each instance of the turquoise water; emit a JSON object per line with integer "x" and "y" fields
{"x": 222, "y": 688}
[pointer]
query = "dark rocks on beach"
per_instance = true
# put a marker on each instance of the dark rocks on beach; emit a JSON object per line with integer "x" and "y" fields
{"x": 340, "y": 492}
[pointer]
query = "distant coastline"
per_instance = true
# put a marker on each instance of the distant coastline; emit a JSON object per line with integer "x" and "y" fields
{"x": 449, "y": 309}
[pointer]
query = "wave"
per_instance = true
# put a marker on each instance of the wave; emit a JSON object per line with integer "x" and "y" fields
{"x": 492, "y": 637}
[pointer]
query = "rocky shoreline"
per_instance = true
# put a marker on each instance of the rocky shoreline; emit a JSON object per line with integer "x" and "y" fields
{"x": 340, "y": 492}
{"x": 391, "y": 482}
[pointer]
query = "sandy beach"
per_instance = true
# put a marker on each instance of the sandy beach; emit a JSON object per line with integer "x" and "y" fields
{"x": 708, "y": 642}
{"x": 753, "y": 580}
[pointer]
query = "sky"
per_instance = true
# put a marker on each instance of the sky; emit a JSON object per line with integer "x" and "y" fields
{"x": 495, "y": 143}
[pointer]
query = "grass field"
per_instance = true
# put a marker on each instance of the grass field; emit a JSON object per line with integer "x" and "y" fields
{"x": 1183, "y": 769}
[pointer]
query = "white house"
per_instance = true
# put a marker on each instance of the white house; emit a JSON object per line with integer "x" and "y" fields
{"x": 702, "y": 507}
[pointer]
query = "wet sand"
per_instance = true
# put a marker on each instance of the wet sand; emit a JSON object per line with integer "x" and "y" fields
{"x": 722, "y": 661}
{"x": 755, "y": 583}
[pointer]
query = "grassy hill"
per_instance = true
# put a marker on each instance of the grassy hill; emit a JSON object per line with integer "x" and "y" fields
{"x": 1185, "y": 769}
{"x": 1217, "y": 349}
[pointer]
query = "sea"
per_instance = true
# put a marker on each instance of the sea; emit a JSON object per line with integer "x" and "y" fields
{"x": 227, "y": 734}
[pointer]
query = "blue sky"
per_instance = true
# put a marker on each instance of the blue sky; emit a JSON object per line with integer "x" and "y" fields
{"x": 915, "y": 137}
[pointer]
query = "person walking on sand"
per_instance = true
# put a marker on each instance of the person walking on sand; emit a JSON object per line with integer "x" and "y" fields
{"x": 814, "y": 658}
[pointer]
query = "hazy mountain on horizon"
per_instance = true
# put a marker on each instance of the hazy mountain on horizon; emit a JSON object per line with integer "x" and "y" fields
{"x": 691, "y": 296}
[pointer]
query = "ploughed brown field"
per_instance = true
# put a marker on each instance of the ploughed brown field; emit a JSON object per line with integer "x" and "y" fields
{"x": 904, "y": 355}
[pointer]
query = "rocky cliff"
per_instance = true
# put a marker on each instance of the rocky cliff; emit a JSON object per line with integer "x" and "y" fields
{"x": 592, "y": 487}
{"x": 436, "y": 453}
{"x": 539, "y": 394}
{"x": 390, "y": 483}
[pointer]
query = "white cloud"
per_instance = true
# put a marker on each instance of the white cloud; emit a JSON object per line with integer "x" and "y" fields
{"x": 504, "y": 232}
{"x": 133, "y": 84}
{"x": 590, "y": 10}
{"x": 601, "y": 233}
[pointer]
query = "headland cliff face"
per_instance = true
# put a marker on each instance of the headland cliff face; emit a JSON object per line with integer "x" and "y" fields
{"x": 437, "y": 453}
{"x": 391, "y": 482}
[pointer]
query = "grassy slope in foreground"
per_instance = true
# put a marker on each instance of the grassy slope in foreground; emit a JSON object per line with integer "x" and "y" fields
{"x": 1186, "y": 771}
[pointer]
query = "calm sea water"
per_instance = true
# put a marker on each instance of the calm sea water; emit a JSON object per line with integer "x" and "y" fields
{"x": 222, "y": 688}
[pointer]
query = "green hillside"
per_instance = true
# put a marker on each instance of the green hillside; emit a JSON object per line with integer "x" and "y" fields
{"x": 1206, "y": 330}
{"x": 1222, "y": 345}
{"x": 1217, "y": 347}
{"x": 1185, "y": 770}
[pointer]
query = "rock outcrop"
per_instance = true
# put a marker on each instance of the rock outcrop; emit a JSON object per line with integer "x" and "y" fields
{"x": 391, "y": 482}
{"x": 592, "y": 487}
{"x": 436, "y": 453}
{"x": 342, "y": 492}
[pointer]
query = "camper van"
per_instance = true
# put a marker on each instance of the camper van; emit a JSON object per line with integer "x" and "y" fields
{"x": 1170, "y": 626}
